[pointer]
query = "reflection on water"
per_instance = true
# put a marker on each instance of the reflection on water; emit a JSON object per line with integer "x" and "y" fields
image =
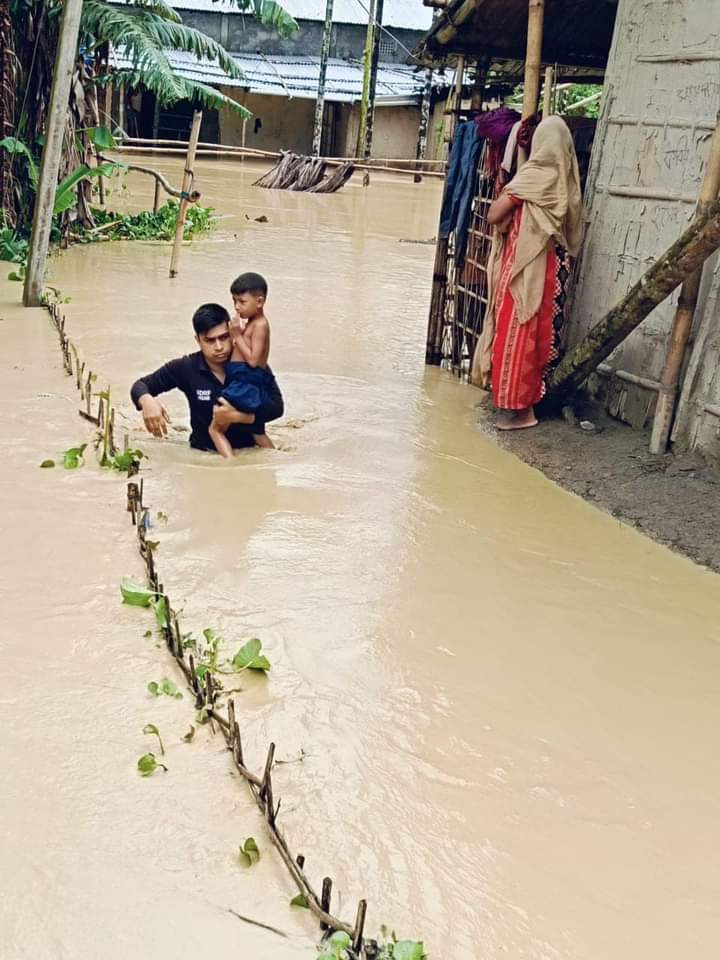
{"x": 509, "y": 700}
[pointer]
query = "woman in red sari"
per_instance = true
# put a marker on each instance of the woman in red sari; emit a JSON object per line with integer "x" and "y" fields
{"x": 538, "y": 220}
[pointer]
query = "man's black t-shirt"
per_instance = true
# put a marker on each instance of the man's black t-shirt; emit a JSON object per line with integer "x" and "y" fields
{"x": 193, "y": 376}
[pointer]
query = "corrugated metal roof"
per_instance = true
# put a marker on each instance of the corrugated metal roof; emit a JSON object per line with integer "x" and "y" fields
{"x": 297, "y": 77}
{"x": 402, "y": 14}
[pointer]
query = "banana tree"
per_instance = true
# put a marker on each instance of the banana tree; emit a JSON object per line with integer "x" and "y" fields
{"x": 145, "y": 30}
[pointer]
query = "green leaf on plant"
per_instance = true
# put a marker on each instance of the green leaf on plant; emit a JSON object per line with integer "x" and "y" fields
{"x": 123, "y": 461}
{"x": 188, "y": 738}
{"x": 300, "y": 901}
{"x": 408, "y": 950}
{"x": 339, "y": 940}
{"x": 73, "y": 457}
{"x": 249, "y": 657}
{"x": 159, "y": 607}
{"x": 249, "y": 853}
{"x": 14, "y": 146}
{"x": 170, "y": 689}
{"x": 152, "y": 730}
{"x": 47, "y": 463}
{"x": 135, "y": 594}
{"x": 100, "y": 137}
{"x": 147, "y": 765}
{"x": 165, "y": 688}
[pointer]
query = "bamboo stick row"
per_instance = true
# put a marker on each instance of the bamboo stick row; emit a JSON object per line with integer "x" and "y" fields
{"x": 263, "y": 154}
{"x": 206, "y": 690}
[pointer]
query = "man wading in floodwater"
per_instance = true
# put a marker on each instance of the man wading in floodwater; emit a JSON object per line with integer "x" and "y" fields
{"x": 201, "y": 377}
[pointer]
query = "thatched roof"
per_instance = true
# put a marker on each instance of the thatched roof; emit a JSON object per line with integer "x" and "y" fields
{"x": 577, "y": 35}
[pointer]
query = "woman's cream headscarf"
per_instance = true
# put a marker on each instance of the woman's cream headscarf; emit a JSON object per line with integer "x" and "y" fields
{"x": 549, "y": 186}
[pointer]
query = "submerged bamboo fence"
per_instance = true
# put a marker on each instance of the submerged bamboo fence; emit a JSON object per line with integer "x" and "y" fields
{"x": 207, "y": 691}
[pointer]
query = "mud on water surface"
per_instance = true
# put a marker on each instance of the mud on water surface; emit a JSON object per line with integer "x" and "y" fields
{"x": 502, "y": 702}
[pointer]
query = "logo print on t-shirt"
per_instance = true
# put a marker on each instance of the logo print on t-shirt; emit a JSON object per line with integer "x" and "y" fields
{"x": 203, "y": 394}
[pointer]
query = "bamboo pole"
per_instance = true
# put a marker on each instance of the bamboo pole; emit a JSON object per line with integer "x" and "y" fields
{"x": 185, "y": 199}
{"x": 364, "y": 99}
{"x": 374, "y": 63}
{"x": 685, "y": 313}
{"x": 548, "y": 92}
{"x": 533, "y": 57}
{"x": 679, "y": 262}
{"x": 533, "y": 63}
{"x": 121, "y": 106}
{"x": 252, "y": 151}
{"x": 320, "y": 103}
{"x": 424, "y": 123}
{"x": 51, "y": 153}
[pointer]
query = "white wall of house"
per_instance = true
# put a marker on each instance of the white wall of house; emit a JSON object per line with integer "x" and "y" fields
{"x": 288, "y": 125}
{"x": 283, "y": 124}
{"x": 661, "y": 99}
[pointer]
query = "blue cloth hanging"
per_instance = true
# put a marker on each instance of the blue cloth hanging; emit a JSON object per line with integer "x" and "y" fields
{"x": 457, "y": 206}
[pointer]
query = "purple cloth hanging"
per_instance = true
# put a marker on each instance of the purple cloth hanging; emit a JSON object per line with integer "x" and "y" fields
{"x": 495, "y": 125}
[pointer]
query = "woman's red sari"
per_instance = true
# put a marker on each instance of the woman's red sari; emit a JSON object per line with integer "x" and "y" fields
{"x": 524, "y": 354}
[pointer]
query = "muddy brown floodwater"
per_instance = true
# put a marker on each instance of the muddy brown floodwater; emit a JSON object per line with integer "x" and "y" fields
{"x": 508, "y": 701}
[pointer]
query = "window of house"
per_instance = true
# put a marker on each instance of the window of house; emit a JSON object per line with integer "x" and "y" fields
{"x": 388, "y": 46}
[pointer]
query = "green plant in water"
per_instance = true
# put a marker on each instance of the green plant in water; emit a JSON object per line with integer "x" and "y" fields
{"x": 123, "y": 461}
{"x": 152, "y": 730}
{"x": 207, "y": 653}
{"x": 135, "y": 594}
{"x": 188, "y": 738}
{"x": 300, "y": 901}
{"x": 72, "y": 458}
{"x": 148, "y": 764}
{"x": 165, "y": 688}
{"x": 336, "y": 946}
{"x": 146, "y": 225}
{"x": 249, "y": 852}
{"x": 249, "y": 657}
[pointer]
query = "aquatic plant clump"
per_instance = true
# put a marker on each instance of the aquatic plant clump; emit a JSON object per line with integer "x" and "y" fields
{"x": 146, "y": 225}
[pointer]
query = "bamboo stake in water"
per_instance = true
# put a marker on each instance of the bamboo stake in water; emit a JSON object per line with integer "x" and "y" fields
{"x": 320, "y": 103}
{"x": 187, "y": 184}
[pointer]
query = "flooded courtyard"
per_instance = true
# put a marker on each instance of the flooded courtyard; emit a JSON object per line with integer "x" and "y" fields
{"x": 502, "y": 702}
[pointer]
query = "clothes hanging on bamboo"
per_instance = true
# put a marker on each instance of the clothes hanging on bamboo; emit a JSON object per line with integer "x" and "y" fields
{"x": 457, "y": 206}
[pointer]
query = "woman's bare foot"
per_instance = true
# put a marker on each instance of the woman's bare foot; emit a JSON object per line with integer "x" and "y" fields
{"x": 516, "y": 419}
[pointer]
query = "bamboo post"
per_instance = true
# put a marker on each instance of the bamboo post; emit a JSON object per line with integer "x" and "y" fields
{"x": 185, "y": 198}
{"x": 320, "y": 103}
{"x": 108, "y": 104}
{"x": 533, "y": 57}
{"x": 685, "y": 313}
{"x": 156, "y": 119}
{"x": 367, "y": 57}
{"x": 374, "y": 63}
{"x": 533, "y": 63}
{"x": 680, "y": 261}
{"x": 52, "y": 150}
{"x": 424, "y": 123}
{"x": 121, "y": 107}
{"x": 548, "y": 92}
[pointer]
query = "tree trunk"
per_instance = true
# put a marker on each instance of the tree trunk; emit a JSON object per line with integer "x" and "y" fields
{"x": 7, "y": 111}
{"x": 683, "y": 258}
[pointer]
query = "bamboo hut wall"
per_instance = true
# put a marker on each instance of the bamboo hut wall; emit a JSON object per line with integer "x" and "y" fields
{"x": 661, "y": 98}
